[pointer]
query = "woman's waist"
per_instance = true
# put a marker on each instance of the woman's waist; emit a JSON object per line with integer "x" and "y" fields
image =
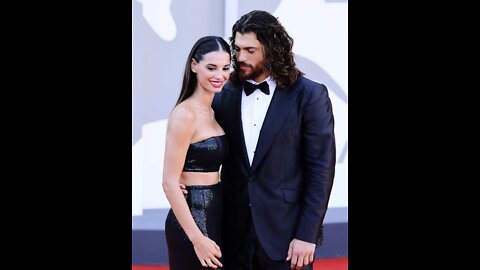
{"x": 204, "y": 196}
{"x": 199, "y": 178}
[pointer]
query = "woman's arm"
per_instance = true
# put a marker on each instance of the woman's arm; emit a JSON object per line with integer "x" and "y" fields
{"x": 180, "y": 130}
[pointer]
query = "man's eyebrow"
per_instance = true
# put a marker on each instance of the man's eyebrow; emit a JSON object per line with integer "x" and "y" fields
{"x": 250, "y": 47}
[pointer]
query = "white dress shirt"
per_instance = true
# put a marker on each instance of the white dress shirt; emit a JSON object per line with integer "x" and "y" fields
{"x": 254, "y": 109}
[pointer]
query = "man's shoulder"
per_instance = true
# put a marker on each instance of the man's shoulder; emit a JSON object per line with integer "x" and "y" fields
{"x": 308, "y": 83}
{"x": 226, "y": 89}
{"x": 312, "y": 90}
{"x": 228, "y": 86}
{"x": 308, "y": 86}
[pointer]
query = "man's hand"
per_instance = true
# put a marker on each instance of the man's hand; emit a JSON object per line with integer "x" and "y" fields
{"x": 184, "y": 189}
{"x": 301, "y": 253}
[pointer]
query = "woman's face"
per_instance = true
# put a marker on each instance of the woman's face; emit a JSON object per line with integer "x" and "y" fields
{"x": 213, "y": 71}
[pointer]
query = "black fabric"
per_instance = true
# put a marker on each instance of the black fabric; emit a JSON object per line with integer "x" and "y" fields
{"x": 286, "y": 199}
{"x": 206, "y": 155}
{"x": 249, "y": 88}
{"x": 205, "y": 204}
{"x": 253, "y": 257}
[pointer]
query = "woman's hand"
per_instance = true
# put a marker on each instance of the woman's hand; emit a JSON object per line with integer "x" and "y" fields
{"x": 207, "y": 252}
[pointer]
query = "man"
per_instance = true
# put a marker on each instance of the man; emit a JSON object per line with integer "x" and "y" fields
{"x": 278, "y": 177}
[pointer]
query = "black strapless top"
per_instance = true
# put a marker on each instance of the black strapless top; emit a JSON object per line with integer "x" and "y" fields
{"x": 206, "y": 155}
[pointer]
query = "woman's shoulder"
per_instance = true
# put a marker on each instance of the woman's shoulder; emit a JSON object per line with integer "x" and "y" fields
{"x": 183, "y": 114}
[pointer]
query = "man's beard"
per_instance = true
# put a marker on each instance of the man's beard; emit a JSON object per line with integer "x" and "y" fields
{"x": 253, "y": 73}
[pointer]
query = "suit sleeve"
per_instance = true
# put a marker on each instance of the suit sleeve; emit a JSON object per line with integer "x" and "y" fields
{"x": 217, "y": 106}
{"x": 216, "y": 103}
{"x": 319, "y": 154}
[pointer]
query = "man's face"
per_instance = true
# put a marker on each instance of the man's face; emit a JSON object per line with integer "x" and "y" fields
{"x": 249, "y": 54}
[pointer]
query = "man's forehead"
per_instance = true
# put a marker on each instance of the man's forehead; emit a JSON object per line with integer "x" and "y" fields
{"x": 247, "y": 40}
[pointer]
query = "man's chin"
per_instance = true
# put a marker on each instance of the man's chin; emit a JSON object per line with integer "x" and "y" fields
{"x": 244, "y": 75}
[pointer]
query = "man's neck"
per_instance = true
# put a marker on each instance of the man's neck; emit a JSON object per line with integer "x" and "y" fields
{"x": 261, "y": 77}
{"x": 256, "y": 81}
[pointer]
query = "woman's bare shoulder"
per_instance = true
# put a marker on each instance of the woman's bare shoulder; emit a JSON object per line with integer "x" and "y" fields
{"x": 182, "y": 120}
{"x": 183, "y": 112}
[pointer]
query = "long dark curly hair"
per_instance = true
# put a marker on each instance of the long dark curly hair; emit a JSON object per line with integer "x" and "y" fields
{"x": 279, "y": 58}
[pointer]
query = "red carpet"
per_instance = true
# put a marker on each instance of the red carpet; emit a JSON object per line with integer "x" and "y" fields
{"x": 320, "y": 264}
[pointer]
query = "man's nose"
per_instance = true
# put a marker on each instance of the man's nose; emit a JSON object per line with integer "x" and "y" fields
{"x": 241, "y": 57}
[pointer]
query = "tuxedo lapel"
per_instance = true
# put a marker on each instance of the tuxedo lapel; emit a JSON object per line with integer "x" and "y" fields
{"x": 233, "y": 104}
{"x": 281, "y": 104}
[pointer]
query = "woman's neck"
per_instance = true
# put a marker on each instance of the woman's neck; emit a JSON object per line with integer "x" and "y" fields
{"x": 203, "y": 98}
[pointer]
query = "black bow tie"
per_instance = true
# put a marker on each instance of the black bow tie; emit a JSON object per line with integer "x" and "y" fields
{"x": 249, "y": 88}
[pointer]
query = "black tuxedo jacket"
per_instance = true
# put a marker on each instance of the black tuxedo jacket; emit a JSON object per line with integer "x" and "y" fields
{"x": 288, "y": 186}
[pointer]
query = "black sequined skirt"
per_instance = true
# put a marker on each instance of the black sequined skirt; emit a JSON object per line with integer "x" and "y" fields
{"x": 205, "y": 203}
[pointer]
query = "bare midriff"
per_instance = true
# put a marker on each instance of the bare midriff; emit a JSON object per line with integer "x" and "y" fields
{"x": 199, "y": 178}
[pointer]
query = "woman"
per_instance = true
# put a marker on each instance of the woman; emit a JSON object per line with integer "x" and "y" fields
{"x": 195, "y": 147}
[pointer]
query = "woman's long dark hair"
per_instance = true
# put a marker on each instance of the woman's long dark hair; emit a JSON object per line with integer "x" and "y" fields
{"x": 279, "y": 59}
{"x": 203, "y": 46}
